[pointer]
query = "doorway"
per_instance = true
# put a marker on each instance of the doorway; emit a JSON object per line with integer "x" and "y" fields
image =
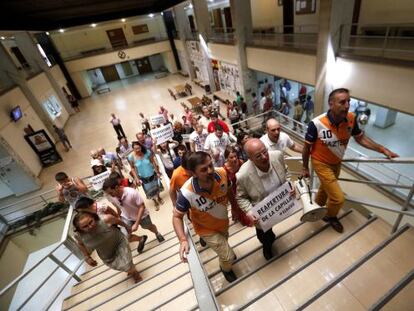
{"x": 192, "y": 24}
{"x": 227, "y": 17}
{"x": 126, "y": 67}
{"x": 218, "y": 22}
{"x": 288, "y": 16}
{"x": 143, "y": 65}
{"x": 16, "y": 51}
{"x": 110, "y": 73}
{"x": 117, "y": 38}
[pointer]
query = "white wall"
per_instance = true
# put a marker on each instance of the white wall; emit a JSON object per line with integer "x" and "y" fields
{"x": 386, "y": 85}
{"x": 84, "y": 38}
{"x": 42, "y": 89}
{"x": 113, "y": 58}
{"x": 223, "y": 52}
{"x": 294, "y": 66}
{"x": 266, "y": 13}
{"x": 169, "y": 61}
{"x": 13, "y": 132}
{"x": 386, "y": 11}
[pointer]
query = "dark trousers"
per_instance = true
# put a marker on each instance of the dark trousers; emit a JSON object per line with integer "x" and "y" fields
{"x": 266, "y": 238}
{"x": 119, "y": 130}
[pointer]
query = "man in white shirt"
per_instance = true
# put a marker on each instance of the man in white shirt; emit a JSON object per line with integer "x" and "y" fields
{"x": 205, "y": 118}
{"x": 262, "y": 102}
{"x": 198, "y": 138}
{"x": 216, "y": 144}
{"x": 274, "y": 139}
{"x": 116, "y": 123}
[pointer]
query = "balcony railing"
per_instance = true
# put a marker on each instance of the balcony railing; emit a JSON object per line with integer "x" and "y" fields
{"x": 222, "y": 35}
{"x": 390, "y": 41}
{"x": 303, "y": 37}
{"x": 93, "y": 50}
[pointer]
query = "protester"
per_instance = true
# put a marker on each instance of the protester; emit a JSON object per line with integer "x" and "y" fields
{"x": 62, "y": 137}
{"x": 275, "y": 139}
{"x": 112, "y": 247}
{"x": 325, "y": 142}
{"x": 232, "y": 166}
{"x": 70, "y": 189}
{"x": 145, "y": 171}
{"x": 116, "y": 123}
{"x": 257, "y": 178}
{"x": 206, "y": 196}
{"x": 198, "y": 138}
{"x": 133, "y": 210}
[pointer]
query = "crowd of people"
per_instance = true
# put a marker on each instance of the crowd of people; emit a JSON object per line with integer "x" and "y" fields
{"x": 210, "y": 163}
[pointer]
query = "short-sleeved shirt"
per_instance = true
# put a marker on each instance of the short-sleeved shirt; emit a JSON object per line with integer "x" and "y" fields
{"x": 283, "y": 142}
{"x": 208, "y": 210}
{"x": 329, "y": 140}
{"x": 178, "y": 178}
{"x": 129, "y": 204}
{"x": 115, "y": 121}
{"x": 198, "y": 140}
{"x": 213, "y": 141}
{"x": 143, "y": 165}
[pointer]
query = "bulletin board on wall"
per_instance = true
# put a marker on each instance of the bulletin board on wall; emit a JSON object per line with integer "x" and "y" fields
{"x": 305, "y": 6}
{"x": 228, "y": 76}
{"x": 198, "y": 61}
{"x": 139, "y": 29}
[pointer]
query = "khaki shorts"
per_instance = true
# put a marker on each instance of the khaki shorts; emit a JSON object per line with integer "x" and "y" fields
{"x": 145, "y": 222}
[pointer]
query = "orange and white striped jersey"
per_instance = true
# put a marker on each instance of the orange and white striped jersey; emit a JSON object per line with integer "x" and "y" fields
{"x": 329, "y": 140}
{"x": 208, "y": 210}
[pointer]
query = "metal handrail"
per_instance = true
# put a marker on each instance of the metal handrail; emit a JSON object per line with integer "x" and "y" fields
{"x": 60, "y": 264}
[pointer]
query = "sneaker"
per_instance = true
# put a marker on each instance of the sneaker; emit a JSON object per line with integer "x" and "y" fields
{"x": 335, "y": 224}
{"x": 141, "y": 244}
{"x": 229, "y": 275}
{"x": 203, "y": 243}
{"x": 160, "y": 238}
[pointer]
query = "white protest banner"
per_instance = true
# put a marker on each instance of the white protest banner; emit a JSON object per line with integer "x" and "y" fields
{"x": 276, "y": 207}
{"x": 158, "y": 119}
{"x": 163, "y": 133}
{"x": 98, "y": 180}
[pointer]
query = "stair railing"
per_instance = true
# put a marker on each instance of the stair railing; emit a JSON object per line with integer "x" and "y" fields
{"x": 60, "y": 265}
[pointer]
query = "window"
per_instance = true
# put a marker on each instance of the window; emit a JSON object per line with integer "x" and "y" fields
{"x": 52, "y": 106}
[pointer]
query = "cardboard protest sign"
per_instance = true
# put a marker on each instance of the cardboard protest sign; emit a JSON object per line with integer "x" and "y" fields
{"x": 158, "y": 119}
{"x": 98, "y": 180}
{"x": 163, "y": 133}
{"x": 276, "y": 207}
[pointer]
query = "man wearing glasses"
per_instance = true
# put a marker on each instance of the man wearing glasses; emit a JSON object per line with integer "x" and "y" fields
{"x": 263, "y": 173}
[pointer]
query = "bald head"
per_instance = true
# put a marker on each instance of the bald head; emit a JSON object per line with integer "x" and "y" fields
{"x": 273, "y": 130}
{"x": 257, "y": 153}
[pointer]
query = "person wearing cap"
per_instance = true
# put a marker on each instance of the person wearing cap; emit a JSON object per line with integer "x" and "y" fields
{"x": 97, "y": 167}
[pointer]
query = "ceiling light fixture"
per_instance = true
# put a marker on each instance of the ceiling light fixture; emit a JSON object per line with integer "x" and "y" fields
{"x": 61, "y": 30}
{"x": 151, "y": 15}
{"x": 123, "y": 20}
{"x": 93, "y": 25}
{"x": 47, "y": 32}
{"x": 2, "y": 38}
